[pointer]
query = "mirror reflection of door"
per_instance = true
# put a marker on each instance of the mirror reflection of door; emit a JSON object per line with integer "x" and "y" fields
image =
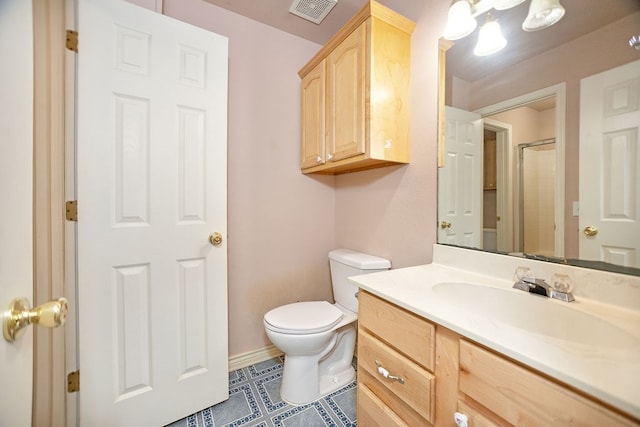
{"x": 610, "y": 166}
{"x": 503, "y": 220}
{"x": 460, "y": 180}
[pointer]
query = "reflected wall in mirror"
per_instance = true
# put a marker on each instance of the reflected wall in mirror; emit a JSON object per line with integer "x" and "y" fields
{"x": 530, "y": 93}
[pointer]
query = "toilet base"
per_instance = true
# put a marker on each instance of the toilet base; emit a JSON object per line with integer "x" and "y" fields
{"x": 298, "y": 395}
{"x": 306, "y": 379}
{"x": 331, "y": 383}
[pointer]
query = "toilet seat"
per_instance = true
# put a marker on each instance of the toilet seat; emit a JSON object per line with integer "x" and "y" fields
{"x": 300, "y": 318}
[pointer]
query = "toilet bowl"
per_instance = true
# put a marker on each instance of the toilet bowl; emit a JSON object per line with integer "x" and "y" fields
{"x": 317, "y": 337}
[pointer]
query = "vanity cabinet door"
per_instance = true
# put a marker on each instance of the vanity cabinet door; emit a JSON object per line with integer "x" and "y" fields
{"x": 373, "y": 412}
{"x": 522, "y": 397}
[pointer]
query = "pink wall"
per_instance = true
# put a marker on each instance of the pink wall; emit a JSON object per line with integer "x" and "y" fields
{"x": 391, "y": 212}
{"x": 282, "y": 224}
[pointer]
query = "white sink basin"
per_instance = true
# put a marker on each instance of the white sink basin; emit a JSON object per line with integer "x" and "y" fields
{"x": 535, "y": 314}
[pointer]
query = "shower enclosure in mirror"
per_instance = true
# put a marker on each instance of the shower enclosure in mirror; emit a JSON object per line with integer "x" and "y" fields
{"x": 538, "y": 89}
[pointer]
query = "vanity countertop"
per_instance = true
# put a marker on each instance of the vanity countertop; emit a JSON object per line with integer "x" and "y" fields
{"x": 608, "y": 372}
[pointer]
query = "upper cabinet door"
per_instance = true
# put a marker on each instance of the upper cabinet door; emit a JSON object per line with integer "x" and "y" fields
{"x": 346, "y": 97}
{"x": 313, "y": 117}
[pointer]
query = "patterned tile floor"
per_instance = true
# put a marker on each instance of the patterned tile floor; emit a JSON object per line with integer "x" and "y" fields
{"x": 254, "y": 400}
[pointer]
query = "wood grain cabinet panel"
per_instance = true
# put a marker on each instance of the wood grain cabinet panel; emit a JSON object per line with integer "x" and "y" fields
{"x": 523, "y": 397}
{"x": 410, "y": 334}
{"x": 365, "y": 98}
{"x": 444, "y": 372}
{"x": 416, "y": 386}
{"x": 373, "y": 412}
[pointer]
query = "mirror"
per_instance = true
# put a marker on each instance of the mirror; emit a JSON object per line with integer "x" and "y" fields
{"x": 525, "y": 103}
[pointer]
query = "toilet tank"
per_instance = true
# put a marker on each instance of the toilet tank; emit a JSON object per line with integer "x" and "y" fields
{"x": 345, "y": 263}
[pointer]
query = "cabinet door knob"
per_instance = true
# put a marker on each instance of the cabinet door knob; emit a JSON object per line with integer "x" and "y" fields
{"x": 329, "y": 157}
{"x": 318, "y": 159}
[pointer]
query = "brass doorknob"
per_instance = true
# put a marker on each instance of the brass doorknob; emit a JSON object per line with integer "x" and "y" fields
{"x": 445, "y": 224}
{"x": 51, "y": 314}
{"x": 590, "y": 230}
{"x": 215, "y": 239}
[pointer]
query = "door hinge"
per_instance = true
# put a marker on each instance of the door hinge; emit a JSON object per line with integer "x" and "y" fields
{"x": 73, "y": 381}
{"x": 72, "y": 210}
{"x": 72, "y": 40}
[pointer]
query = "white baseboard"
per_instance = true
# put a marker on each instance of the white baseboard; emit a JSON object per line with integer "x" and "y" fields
{"x": 252, "y": 357}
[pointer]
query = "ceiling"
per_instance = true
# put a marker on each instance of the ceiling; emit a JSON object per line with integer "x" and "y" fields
{"x": 581, "y": 17}
{"x": 275, "y": 13}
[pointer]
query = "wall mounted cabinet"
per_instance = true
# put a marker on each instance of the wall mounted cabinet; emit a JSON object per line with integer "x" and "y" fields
{"x": 355, "y": 95}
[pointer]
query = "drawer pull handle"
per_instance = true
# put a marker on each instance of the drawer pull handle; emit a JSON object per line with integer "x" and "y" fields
{"x": 382, "y": 371}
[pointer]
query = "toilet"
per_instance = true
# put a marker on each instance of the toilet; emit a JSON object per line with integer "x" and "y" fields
{"x": 318, "y": 338}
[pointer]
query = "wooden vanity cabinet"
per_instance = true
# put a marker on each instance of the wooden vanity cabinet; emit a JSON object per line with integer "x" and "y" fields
{"x": 445, "y": 373}
{"x": 355, "y": 95}
{"x": 402, "y": 344}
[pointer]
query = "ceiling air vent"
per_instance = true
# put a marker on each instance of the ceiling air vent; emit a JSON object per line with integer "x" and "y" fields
{"x": 312, "y": 10}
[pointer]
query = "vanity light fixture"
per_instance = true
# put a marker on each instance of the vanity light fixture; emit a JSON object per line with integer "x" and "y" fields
{"x": 490, "y": 39}
{"x": 543, "y": 14}
{"x": 461, "y": 20}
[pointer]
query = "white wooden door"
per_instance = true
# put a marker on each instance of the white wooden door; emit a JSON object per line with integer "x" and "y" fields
{"x": 460, "y": 180}
{"x": 610, "y": 165}
{"x": 16, "y": 180}
{"x": 151, "y": 179}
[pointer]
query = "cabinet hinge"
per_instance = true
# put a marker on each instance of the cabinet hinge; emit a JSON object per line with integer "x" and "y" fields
{"x": 73, "y": 381}
{"x": 72, "y": 210}
{"x": 72, "y": 40}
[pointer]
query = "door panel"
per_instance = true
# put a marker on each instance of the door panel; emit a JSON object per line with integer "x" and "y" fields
{"x": 152, "y": 96}
{"x": 16, "y": 180}
{"x": 460, "y": 180}
{"x": 610, "y": 166}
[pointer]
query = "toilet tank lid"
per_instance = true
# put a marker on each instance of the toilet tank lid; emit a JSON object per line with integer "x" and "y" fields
{"x": 359, "y": 260}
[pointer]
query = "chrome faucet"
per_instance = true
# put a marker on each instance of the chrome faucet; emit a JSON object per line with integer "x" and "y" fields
{"x": 540, "y": 287}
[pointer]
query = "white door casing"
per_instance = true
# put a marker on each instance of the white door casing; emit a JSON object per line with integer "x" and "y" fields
{"x": 610, "y": 165}
{"x": 559, "y": 92}
{"x": 16, "y": 217}
{"x": 504, "y": 185}
{"x": 151, "y": 174}
{"x": 460, "y": 180}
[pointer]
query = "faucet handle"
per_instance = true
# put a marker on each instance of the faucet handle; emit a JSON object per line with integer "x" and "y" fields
{"x": 522, "y": 273}
{"x": 561, "y": 282}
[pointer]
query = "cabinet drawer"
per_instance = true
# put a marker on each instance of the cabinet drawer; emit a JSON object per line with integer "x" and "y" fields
{"x": 373, "y": 412}
{"x": 407, "y": 332}
{"x": 476, "y": 418}
{"x": 523, "y": 397}
{"x": 418, "y": 388}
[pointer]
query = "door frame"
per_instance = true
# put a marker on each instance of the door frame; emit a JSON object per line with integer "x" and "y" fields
{"x": 504, "y": 183}
{"x": 54, "y": 241}
{"x": 559, "y": 91}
